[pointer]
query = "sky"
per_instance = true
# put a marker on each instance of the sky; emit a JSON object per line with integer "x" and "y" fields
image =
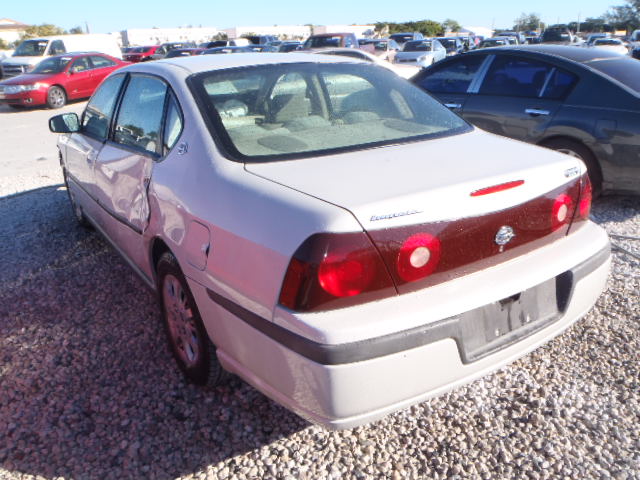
{"x": 116, "y": 15}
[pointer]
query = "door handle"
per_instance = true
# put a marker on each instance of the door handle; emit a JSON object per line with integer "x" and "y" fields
{"x": 453, "y": 106}
{"x": 536, "y": 111}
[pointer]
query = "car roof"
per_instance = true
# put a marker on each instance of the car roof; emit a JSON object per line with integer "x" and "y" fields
{"x": 204, "y": 63}
{"x": 568, "y": 52}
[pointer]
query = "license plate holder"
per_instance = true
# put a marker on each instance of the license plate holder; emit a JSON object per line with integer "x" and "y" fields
{"x": 497, "y": 325}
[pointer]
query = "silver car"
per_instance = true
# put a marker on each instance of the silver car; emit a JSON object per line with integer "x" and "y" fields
{"x": 327, "y": 231}
{"x": 421, "y": 53}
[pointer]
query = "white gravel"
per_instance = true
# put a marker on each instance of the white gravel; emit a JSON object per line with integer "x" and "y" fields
{"x": 90, "y": 391}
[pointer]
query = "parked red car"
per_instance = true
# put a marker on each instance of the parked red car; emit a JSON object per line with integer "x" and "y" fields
{"x": 59, "y": 79}
{"x": 140, "y": 54}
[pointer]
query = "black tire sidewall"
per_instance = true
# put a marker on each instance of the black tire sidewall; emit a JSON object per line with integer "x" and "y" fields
{"x": 199, "y": 373}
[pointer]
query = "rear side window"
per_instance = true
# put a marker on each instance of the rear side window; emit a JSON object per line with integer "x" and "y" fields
{"x": 453, "y": 77}
{"x": 97, "y": 115}
{"x": 173, "y": 125}
{"x": 140, "y": 116}
{"x": 524, "y": 77}
{"x": 515, "y": 77}
{"x": 559, "y": 85}
{"x": 101, "y": 62}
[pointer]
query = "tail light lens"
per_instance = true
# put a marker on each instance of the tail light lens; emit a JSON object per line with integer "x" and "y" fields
{"x": 335, "y": 270}
{"x": 418, "y": 256}
{"x": 562, "y": 211}
{"x": 586, "y": 196}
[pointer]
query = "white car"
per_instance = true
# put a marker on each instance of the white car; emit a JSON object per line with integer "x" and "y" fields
{"x": 422, "y": 53}
{"x": 405, "y": 71}
{"x": 329, "y": 232}
{"x": 612, "y": 44}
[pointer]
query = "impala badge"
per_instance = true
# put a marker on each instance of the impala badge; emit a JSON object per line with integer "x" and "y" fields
{"x": 504, "y": 236}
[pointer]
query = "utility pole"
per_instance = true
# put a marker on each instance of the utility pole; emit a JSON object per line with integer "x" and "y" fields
{"x": 579, "y": 13}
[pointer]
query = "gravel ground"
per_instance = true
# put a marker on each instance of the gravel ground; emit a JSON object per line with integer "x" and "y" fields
{"x": 89, "y": 389}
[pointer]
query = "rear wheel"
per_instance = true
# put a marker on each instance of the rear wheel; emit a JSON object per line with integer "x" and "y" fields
{"x": 56, "y": 97}
{"x": 188, "y": 339}
{"x": 578, "y": 150}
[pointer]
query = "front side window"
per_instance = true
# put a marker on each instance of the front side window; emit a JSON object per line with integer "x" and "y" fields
{"x": 97, "y": 115}
{"x": 140, "y": 117}
{"x": 80, "y": 65}
{"x": 453, "y": 77}
{"x": 515, "y": 77}
{"x": 294, "y": 110}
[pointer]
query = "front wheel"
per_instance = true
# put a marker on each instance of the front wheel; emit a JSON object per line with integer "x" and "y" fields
{"x": 56, "y": 97}
{"x": 188, "y": 339}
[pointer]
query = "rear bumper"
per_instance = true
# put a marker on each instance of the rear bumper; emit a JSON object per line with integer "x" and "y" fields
{"x": 348, "y": 384}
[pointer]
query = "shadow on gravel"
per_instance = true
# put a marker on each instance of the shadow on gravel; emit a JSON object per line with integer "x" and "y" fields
{"x": 88, "y": 386}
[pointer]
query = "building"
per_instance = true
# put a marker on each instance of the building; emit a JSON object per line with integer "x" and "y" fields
{"x": 357, "y": 30}
{"x": 283, "y": 32}
{"x": 156, "y": 36}
{"x": 10, "y": 30}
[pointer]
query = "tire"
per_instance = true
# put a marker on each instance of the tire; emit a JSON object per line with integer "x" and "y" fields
{"x": 578, "y": 150}
{"x": 77, "y": 210}
{"x": 56, "y": 97}
{"x": 188, "y": 339}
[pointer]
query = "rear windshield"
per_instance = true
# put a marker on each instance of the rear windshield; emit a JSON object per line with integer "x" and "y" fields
{"x": 275, "y": 112}
{"x": 31, "y": 48}
{"x": 140, "y": 49}
{"x": 625, "y": 70}
{"x": 402, "y": 37}
{"x": 322, "y": 42}
{"x": 52, "y": 65}
{"x": 417, "y": 46}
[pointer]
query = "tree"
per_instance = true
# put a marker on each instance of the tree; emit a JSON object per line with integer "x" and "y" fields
{"x": 527, "y": 22}
{"x": 624, "y": 17}
{"x": 428, "y": 28}
{"x": 220, "y": 36}
{"x": 76, "y": 30}
{"x": 450, "y": 25}
{"x": 3, "y": 45}
{"x": 44, "y": 30}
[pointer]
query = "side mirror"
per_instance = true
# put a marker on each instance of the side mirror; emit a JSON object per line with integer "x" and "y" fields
{"x": 64, "y": 123}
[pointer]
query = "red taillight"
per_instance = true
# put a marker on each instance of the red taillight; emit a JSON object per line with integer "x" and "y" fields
{"x": 562, "y": 211}
{"x": 418, "y": 256}
{"x": 335, "y": 270}
{"x": 586, "y": 195}
{"x": 346, "y": 273}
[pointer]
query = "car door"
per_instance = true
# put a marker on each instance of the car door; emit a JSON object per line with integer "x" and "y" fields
{"x": 102, "y": 67}
{"x": 515, "y": 98}
{"x": 78, "y": 84}
{"x": 124, "y": 166}
{"x": 82, "y": 148}
{"x": 451, "y": 80}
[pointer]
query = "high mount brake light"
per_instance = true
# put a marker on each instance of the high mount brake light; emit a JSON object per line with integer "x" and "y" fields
{"x": 497, "y": 188}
